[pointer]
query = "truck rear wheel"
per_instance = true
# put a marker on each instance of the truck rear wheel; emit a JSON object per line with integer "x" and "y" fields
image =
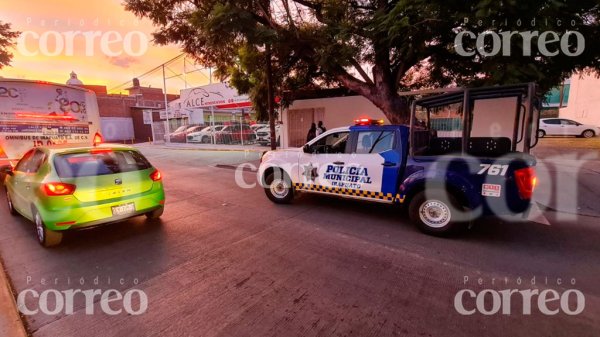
{"x": 278, "y": 187}
{"x": 434, "y": 213}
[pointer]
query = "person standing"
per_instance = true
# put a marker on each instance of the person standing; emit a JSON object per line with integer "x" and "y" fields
{"x": 320, "y": 128}
{"x": 312, "y": 132}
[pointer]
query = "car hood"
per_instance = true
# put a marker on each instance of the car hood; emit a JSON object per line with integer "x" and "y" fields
{"x": 198, "y": 133}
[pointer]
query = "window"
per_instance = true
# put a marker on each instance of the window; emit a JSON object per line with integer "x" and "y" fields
{"x": 552, "y": 121}
{"x": 374, "y": 141}
{"x": 36, "y": 161}
{"x": 24, "y": 162}
{"x": 567, "y": 122}
{"x": 87, "y": 164}
{"x": 31, "y": 162}
{"x": 332, "y": 143}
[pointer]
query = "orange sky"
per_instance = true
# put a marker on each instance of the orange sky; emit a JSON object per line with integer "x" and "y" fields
{"x": 50, "y": 25}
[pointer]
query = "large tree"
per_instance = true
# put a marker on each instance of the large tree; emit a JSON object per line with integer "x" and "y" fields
{"x": 378, "y": 48}
{"x": 7, "y": 37}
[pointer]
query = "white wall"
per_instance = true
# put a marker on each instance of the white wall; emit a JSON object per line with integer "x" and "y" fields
{"x": 584, "y": 100}
{"x": 338, "y": 111}
{"x": 117, "y": 128}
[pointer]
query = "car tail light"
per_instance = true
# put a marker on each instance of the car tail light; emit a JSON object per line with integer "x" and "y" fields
{"x": 526, "y": 179}
{"x": 58, "y": 189}
{"x": 156, "y": 175}
{"x": 98, "y": 139}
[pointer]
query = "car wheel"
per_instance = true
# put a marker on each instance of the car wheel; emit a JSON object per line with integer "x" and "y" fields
{"x": 46, "y": 237}
{"x": 11, "y": 207}
{"x": 588, "y": 134}
{"x": 278, "y": 187}
{"x": 205, "y": 140}
{"x": 155, "y": 214}
{"x": 434, "y": 213}
{"x": 541, "y": 133}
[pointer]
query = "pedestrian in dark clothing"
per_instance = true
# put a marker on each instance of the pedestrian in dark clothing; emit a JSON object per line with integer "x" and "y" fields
{"x": 321, "y": 128}
{"x": 312, "y": 132}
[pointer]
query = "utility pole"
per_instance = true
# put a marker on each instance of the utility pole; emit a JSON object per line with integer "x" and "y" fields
{"x": 166, "y": 105}
{"x": 270, "y": 98}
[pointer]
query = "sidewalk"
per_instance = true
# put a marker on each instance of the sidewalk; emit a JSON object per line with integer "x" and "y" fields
{"x": 10, "y": 322}
{"x": 206, "y": 147}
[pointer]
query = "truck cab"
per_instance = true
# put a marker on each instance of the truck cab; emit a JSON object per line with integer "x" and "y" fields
{"x": 446, "y": 170}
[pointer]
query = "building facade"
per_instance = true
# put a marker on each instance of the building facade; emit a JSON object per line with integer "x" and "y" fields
{"x": 584, "y": 100}
{"x": 122, "y": 116}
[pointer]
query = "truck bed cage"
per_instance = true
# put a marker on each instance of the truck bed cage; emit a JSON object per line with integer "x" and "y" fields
{"x": 526, "y": 119}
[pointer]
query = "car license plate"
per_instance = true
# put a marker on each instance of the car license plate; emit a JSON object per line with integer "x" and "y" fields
{"x": 123, "y": 209}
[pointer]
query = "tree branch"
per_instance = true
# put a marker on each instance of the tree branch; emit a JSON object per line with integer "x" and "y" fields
{"x": 361, "y": 71}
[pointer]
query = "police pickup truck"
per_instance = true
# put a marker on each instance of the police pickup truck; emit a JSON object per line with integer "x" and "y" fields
{"x": 443, "y": 174}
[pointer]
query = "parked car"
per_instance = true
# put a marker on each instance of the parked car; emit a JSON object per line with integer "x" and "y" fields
{"x": 566, "y": 127}
{"x": 64, "y": 187}
{"x": 263, "y": 136}
{"x": 257, "y": 126}
{"x": 204, "y": 135}
{"x": 180, "y": 136}
{"x": 234, "y": 134}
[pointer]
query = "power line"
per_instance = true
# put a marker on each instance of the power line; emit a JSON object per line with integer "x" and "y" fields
{"x": 148, "y": 72}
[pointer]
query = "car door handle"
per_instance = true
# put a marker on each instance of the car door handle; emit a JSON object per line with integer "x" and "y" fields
{"x": 388, "y": 163}
{"x": 338, "y": 163}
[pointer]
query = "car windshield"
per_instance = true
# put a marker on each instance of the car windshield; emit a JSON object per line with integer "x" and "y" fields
{"x": 181, "y": 128}
{"x": 99, "y": 162}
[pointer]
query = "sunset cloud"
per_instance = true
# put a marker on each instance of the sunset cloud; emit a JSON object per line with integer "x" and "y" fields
{"x": 99, "y": 40}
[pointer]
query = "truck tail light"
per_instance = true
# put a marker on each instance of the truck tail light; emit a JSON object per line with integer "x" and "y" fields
{"x": 58, "y": 189}
{"x": 526, "y": 179}
{"x": 156, "y": 175}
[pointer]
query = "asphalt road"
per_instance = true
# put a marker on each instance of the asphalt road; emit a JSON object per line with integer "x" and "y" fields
{"x": 225, "y": 261}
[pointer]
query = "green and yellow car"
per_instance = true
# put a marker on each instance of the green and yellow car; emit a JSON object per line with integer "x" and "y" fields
{"x": 61, "y": 188}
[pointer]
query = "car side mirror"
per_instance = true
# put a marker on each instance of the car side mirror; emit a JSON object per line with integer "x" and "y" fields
{"x": 306, "y": 148}
{"x": 7, "y": 169}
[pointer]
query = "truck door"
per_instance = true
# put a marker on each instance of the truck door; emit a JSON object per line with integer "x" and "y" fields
{"x": 356, "y": 168}
{"x": 330, "y": 150}
{"x": 376, "y": 153}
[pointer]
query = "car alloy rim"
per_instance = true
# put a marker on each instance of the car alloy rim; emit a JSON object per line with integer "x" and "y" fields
{"x": 587, "y": 134}
{"x": 540, "y": 133}
{"x": 39, "y": 225}
{"x": 434, "y": 213}
{"x": 279, "y": 188}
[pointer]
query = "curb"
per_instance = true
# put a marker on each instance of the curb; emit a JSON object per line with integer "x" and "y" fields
{"x": 10, "y": 320}
{"x": 212, "y": 149}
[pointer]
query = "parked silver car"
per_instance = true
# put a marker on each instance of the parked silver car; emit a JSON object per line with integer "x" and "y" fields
{"x": 566, "y": 127}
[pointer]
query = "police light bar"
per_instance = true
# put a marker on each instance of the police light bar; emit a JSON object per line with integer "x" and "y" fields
{"x": 368, "y": 121}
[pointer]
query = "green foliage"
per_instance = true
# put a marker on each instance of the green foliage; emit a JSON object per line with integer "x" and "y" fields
{"x": 7, "y": 37}
{"x": 373, "y": 47}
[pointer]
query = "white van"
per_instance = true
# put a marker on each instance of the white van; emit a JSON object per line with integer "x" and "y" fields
{"x": 35, "y": 113}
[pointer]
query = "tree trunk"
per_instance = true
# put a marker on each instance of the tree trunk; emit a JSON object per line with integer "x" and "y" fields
{"x": 396, "y": 109}
{"x": 382, "y": 93}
